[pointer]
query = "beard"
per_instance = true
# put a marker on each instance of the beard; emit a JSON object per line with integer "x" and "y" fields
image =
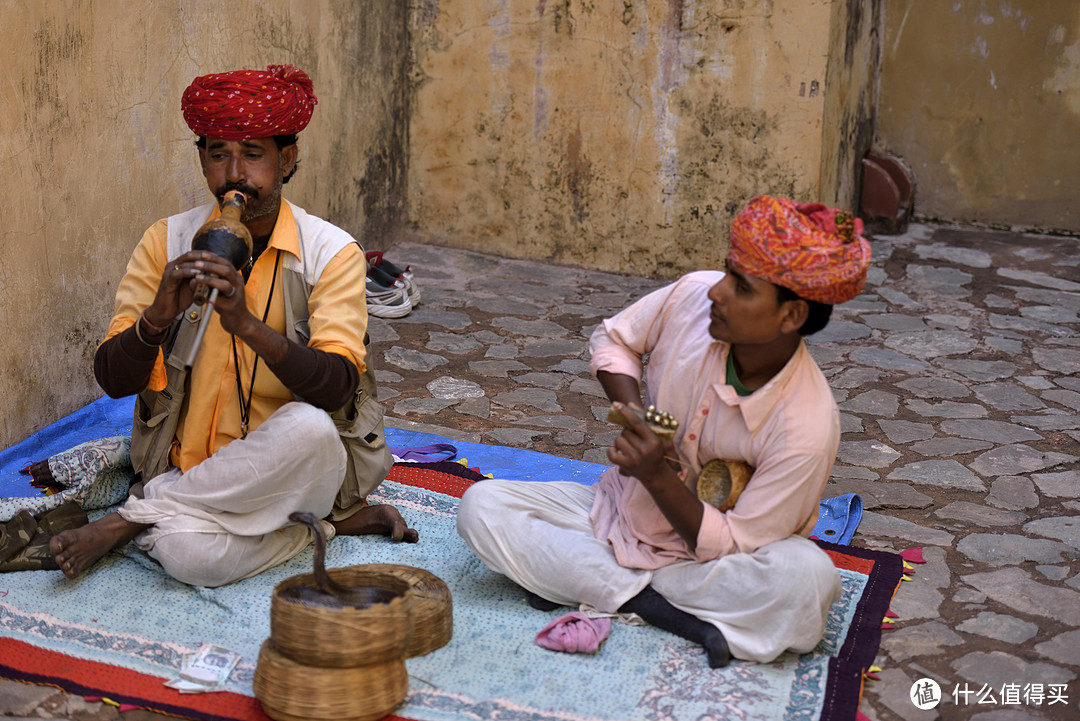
{"x": 259, "y": 204}
{"x": 262, "y": 205}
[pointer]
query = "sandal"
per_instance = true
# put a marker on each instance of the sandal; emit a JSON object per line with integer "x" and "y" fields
{"x": 16, "y": 534}
{"x": 34, "y": 554}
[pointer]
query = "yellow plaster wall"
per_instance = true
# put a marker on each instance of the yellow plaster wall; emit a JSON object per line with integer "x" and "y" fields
{"x": 93, "y": 149}
{"x": 851, "y": 101}
{"x": 621, "y": 136}
{"x": 982, "y": 100}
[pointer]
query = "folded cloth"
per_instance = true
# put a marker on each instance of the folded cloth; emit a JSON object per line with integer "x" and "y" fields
{"x": 838, "y": 518}
{"x": 574, "y": 633}
{"x": 93, "y": 474}
{"x": 426, "y": 454}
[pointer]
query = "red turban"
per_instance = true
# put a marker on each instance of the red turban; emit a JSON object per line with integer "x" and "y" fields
{"x": 816, "y": 251}
{"x": 248, "y": 104}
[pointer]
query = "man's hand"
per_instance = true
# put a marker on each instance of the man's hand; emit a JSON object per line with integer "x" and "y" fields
{"x": 640, "y": 453}
{"x": 177, "y": 290}
{"x": 231, "y": 304}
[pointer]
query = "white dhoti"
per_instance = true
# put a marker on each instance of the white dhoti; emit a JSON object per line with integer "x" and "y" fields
{"x": 540, "y": 536}
{"x": 228, "y": 517}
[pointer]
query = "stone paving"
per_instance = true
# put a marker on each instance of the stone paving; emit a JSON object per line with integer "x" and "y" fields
{"x": 957, "y": 372}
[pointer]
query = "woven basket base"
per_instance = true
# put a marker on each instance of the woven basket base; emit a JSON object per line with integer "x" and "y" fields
{"x": 289, "y": 691}
{"x": 343, "y": 637}
{"x": 432, "y": 607}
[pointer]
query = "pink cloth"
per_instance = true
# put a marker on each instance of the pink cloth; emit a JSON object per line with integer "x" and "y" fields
{"x": 574, "y": 633}
{"x": 789, "y": 430}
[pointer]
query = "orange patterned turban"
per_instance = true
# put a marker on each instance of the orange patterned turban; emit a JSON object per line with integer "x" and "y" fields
{"x": 816, "y": 251}
{"x": 247, "y": 104}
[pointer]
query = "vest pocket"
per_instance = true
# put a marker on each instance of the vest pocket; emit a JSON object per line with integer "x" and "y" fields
{"x": 360, "y": 426}
{"x": 153, "y": 430}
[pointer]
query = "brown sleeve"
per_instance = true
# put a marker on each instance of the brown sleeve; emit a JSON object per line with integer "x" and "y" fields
{"x": 325, "y": 380}
{"x": 123, "y": 363}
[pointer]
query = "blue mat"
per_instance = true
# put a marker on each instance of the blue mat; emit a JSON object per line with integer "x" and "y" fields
{"x": 103, "y": 418}
{"x": 125, "y": 615}
{"x": 838, "y": 519}
{"x": 504, "y": 461}
{"x": 107, "y": 417}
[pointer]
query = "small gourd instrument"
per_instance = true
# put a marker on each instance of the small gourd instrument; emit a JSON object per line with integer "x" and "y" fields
{"x": 720, "y": 482}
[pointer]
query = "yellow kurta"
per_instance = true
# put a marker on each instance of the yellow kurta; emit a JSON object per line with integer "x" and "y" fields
{"x": 210, "y": 418}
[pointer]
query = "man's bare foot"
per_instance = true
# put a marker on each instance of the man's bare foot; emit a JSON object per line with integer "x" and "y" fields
{"x": 377, "y": 520}
{"x": 76, "y": 550}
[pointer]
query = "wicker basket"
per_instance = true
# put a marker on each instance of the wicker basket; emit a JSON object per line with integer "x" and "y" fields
{"x": 343, "y": 637}
{"x": 432, "y": 607}
{"x": 289, "y": 691}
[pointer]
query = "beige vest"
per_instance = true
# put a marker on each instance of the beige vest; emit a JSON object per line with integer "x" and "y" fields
{"x": 360, "y": 423}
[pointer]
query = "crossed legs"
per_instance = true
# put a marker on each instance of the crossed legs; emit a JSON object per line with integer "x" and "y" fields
{"x": 227, "y": 518}
{"x": 761, "y": 603}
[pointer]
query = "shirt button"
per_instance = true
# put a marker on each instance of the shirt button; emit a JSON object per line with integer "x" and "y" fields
{"x": 692, "y": 437}
{"x": 705, "y": 411}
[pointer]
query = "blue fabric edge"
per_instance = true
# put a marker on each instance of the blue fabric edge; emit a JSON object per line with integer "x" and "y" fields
{"x": 838, "y": 517}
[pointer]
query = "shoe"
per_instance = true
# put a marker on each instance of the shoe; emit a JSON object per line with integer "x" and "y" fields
{"x": 376, "y": 260}
{"x": 386, "y": 280}
{"x": 383, "y": 302}
{"x": 405, "y": 276}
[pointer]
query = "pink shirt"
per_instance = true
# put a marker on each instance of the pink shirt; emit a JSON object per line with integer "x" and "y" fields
{"x": 789, "y": 430}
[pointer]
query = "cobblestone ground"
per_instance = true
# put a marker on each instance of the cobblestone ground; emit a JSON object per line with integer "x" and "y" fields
{"x": 956, "y": 372}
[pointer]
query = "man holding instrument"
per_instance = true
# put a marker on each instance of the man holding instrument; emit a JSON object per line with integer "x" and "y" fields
{"x": 727, "y": 360}
{"x": 228, "y": 448}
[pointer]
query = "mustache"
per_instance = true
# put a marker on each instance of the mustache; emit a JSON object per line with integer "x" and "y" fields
{"x": 251, "y": 193}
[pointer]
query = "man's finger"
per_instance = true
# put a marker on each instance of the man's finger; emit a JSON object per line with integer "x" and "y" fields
{"x": 215, "y": 267}
{"x": 613, "y": 455}
{"x": 626, "y": 445}
{"x": 633, "y": 420}
{"x": 618, "y": 459}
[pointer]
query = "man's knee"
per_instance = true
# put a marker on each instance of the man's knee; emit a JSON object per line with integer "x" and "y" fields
{"x": 801, "y": 558}
{"x": 195, "y": 559}
{"x": 476, "y": 505}
{"x": 313, "y": 422}
{"x": 311, "y": 430}
{"x": 484, "y": 508}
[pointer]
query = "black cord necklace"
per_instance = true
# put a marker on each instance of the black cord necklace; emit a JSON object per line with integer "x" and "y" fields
{"x": 245, "y": 406}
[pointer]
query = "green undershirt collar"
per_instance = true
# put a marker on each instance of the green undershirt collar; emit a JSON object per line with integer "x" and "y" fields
{"x": 733, "y": 377}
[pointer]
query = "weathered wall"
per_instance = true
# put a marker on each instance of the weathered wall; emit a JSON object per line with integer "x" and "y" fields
{"x": 623, "y": 136}
{"x": 851, "y": 101}
{"x": 982, "y": 100}
{"x": 93, "y": 149}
